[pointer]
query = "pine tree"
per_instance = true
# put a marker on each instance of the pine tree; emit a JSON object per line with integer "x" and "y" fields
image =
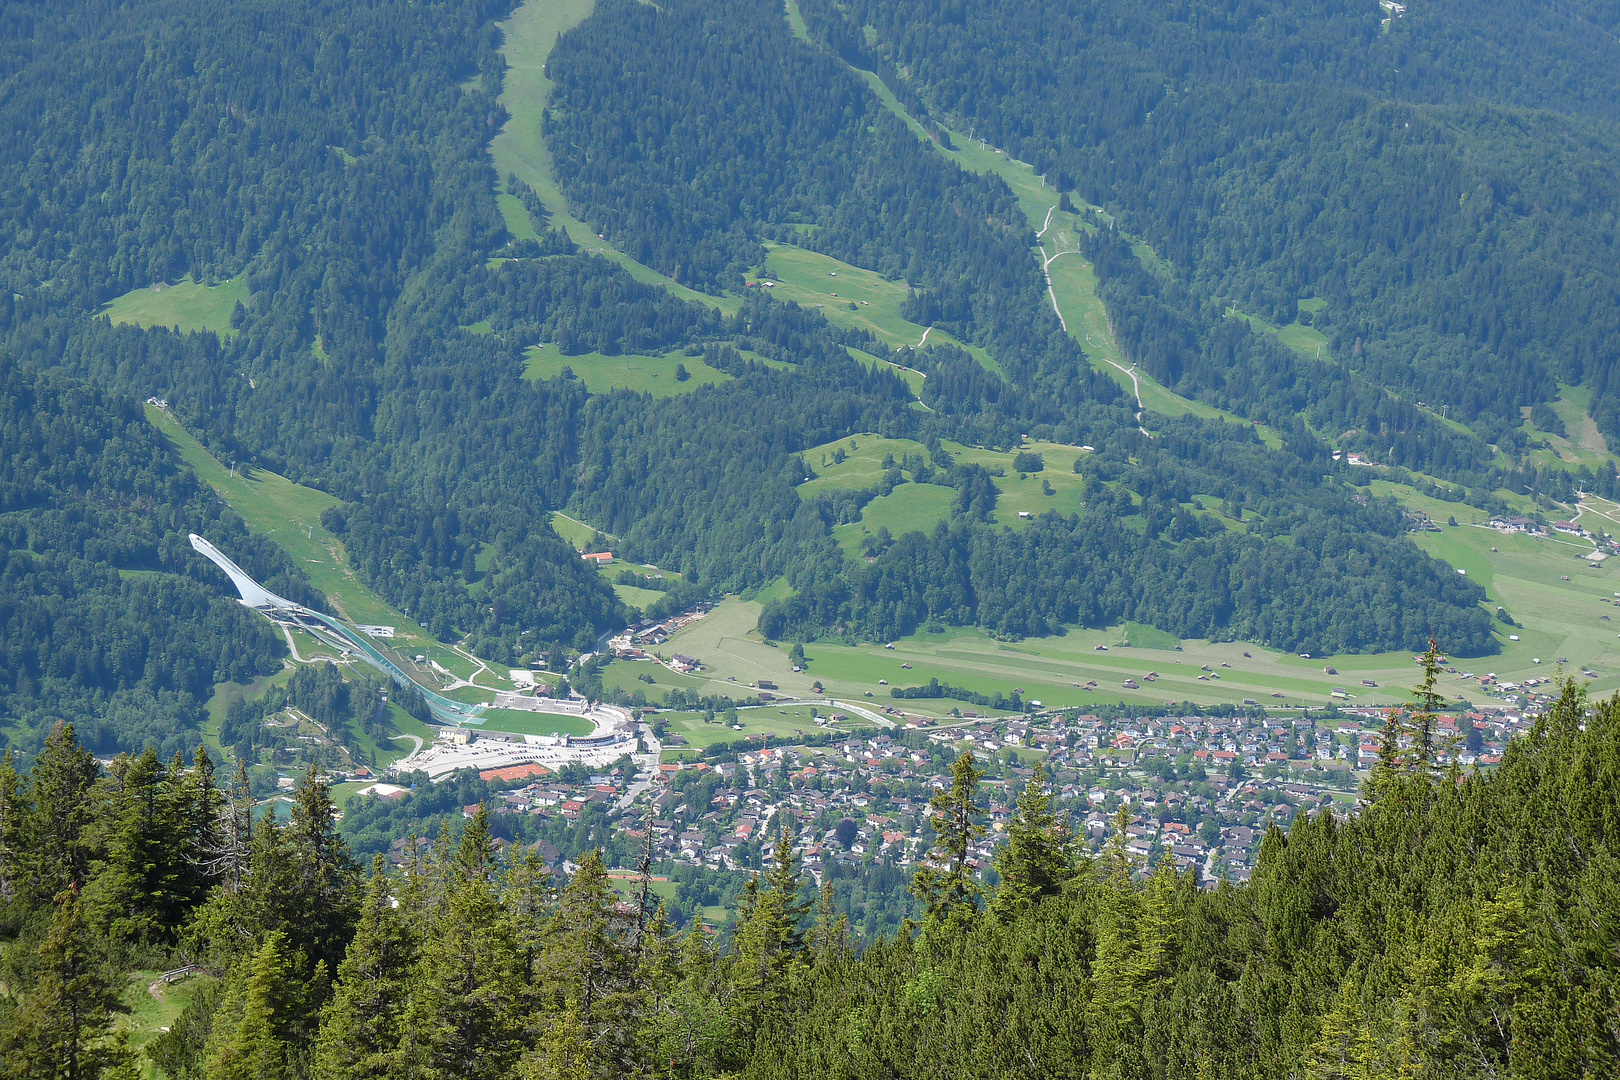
{"x": 1343, "y": 1049}
{"x": 1482, "y": 996}
{"x": 250, "y": 1036}
{"x": 1390, "y": 765}
{"x": 588, "y": 961}
{"x": 475, "y": 855}
{"x": 361, "y": 1026}
{"x": 468, "y": 995}
{"x": 1159, "y": 930}
{"x": 527, "y": 895}
{"x": 196, "y": 810}
{"x": 947, "y": 887}
{"x": 13, "y": 834}
{"x": 328, "y": 879}
{"x": 1116, "y": 864}
{"x": 692, "y": 1032}
{"x": 59, "y": 844}
{"x": 766, "y": 943}
{"x": 64, "y": 1025}
{"x": 134, "y": 891}
{"x": 226, "y": 853}
{"x": 565, "y": 1053}
{"x": 1037, "y": 859}
{"x": 657, "y": 963}
{"x": 784, "y": 879}
{"x": 644, "y": 885}
{"x": 1426, "y": 702}
{"x": 829, "y": 940}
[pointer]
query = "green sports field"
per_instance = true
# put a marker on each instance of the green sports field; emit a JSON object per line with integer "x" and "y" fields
{"x": 187, "y": 305}
{"x": 522, "y": 722}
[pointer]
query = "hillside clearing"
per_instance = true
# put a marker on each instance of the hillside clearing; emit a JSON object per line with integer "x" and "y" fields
{"x": 655, "y": 375}
{"x": 185, "y": 306}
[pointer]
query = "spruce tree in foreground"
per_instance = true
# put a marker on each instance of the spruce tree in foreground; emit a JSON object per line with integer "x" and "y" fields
{"x": 250, "y": 1040}
{"x": 64, "y": 1025}
{"x": 1037, "y": 859}
{"x": 948, "y": 887}
{"x": 468, "y": 1000}
{"x": 361, "y": 1026}
{"x": 588, "y": 966}
{"x": 769, "y": 937}
{"x": 58, "y": 844}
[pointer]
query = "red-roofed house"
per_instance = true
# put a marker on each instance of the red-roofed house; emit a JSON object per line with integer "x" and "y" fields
{"x": 515, "y": 772}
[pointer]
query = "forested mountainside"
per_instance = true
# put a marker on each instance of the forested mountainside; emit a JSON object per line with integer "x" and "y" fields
{"x": 1444, "y": 178}
{"x": 1459, "y": 926}
{"x": 101, "y": 615}
{"x": 335, "y": 163}
{"x": 807, "y": 154}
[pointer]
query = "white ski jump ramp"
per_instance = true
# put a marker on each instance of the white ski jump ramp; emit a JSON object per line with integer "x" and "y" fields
{"x": 254, "y": 595}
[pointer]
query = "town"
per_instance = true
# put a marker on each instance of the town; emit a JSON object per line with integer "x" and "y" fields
{"x": 1198, "y": 791}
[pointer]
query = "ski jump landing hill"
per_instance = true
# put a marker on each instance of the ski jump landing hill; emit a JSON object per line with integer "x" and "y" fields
{"x": 613, "y": 732}
{"x": 280, "y": 610}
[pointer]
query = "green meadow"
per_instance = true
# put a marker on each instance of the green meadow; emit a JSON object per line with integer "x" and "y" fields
{"x": 1557, "y": 600}
{"x": 655, "y": 375}
{"x": 778, "y": 722}
{"x": 850, "y": 296}
{"x": 188, "y": 305}
{"x": 637, "y": 597}
{"x": 908, "y": 508}
{"x": 518, "y": 221}
{"x": 1581, "y": 444}
{"x": 920, "y": 507}
{"x": 1556, "y": 617}
{"x": 574, "y": 531}
{"x": 653, "y": 679}
{"x": 1065, "y": 671}
{"x": 151, "y": 1008}
{"x": 1307, "y": 341}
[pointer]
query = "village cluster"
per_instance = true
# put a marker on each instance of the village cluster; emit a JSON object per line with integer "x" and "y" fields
{"x": 1200, "y": 791}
